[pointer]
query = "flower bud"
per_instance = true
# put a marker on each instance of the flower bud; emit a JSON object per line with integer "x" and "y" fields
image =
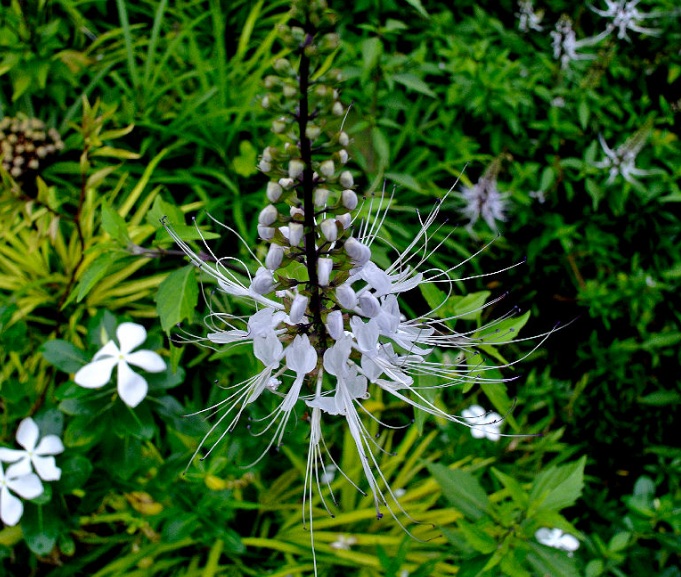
{"x": 274, "y": 257}
{"x": 278, "y": 126}
{"x": 297, "y": 211}
{"x": 327, "y": 168}
{"x": 334, "y": 324}
{"x": 298, "y": 308}
{"x": 268, "y": 215}
{"x": 264, "y": 165}
{"x": 267, "y": 154}
{"x": 346, "y": 180}
{"x": 347, "y": 298}
{"x": 369, "y": 305}
{"x": 358, "y": 252}
{"x": 345, "y": 220}
{"x": 324, "y": 266}
{"x": 286, "y": 183}
{"x": 349, "y": 199}
{"x": 337, "y": 108}
{"x": 274, "y": 191}
{"x": 266, "y": 232}
{"x": 312, "y": 131}
{"x": 343, "y": 139}
{"x": 295, "y": 233}
{"x": 329, "y": 229}
{"x": 283, "y": 66}
{"x": 343, "y": 155}
{"x": 263, "y": 282}
{"x": 321, "y": 196}
{"x": 295, "y": 168}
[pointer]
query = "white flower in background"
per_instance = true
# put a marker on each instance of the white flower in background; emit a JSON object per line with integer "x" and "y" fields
{"x": 14, "y": 480}
{"x": 625, "y": 16}
{"x": 36, "y": 455}
{"x": 343, "y": 543}
{"x": 484, "y": 201}
{"x": 132, "y": 387}
{"x": 557, "y": 539}
{"x": 483, "y": 424}
{"x": 528, "y": 19}
{"x": 622, "y": 160}
{"x": 565, "y": 43}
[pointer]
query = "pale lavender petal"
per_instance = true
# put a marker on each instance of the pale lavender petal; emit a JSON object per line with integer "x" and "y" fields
{"x": 27, "y": 434}
{"x": 96, "y": 374}
{"x": 26, "y": 486}
{"x": 11, "y": 508}
{"x": 46, "y": 468}
{"x": 132, "y": 387}
{"x": 50, "y": 445}
{"x": 130, "y": 336}
{"x": 147, "y": 360}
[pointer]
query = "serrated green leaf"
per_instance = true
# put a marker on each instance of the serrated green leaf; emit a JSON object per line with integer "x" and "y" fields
{"x": 63, "y": 355}
{"x": 515, "y": 489}
{"x": 558, "y": 487}
{"x": 414, "y": 83}
{"x": 461, "y": 489}
{"x": 177, "y": 297}
{"x": 553, "y": 562}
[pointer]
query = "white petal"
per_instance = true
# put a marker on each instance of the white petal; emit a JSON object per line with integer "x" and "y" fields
{"x": 568, "y": 543}
{"x": 298, "y": 308}
{"x": 268, "y": 349}
{"x": 27, "y": 434}
{"x": 108, "y": 350}
{"x": 132, "y": 387}
{"x": 11, "y": 508}
{"x": 225, "y": 337}
{"x": 130, "y": 336}
{"x": 26, "y": 486}
{"x": 301, "y": 357}
{"x": 147, "y": 360}
{"x": 334, "y": 324}
{"x": 96, "y": 374}
{"x": 11, "y": 455}
{"x": 50, "y": 445}
{"x": 46, "y": 468}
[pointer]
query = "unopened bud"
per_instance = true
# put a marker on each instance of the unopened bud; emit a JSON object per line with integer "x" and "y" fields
{"x": 282, "y": 66}
{"x": 266, "y": 232}
{"x": 297, "y": 211}
{"x": 369, "y": 305}
{"x": 334, "y": 324}
{"x": 346, "y": 180}
{"x": 290, "y": 90}
{"x": 264, "y": 165}
{"x": 345, "y": 220}
{"x": 298, "y": 308}
{"x": 337, "y": 108}
{"x": 274, "y": 191}
{"x": 358, "y": 252}
{"x": 263, "y": 282}
{"x": 343, "y": 139}
{"x": 329, "y": 229}
{"x": 286, "y": 183}
{"x": 327, "y": 168}
{"x": 349, "y": 199}
{"x": 321, "y": 196}
{"x": 265, "y": 102}
{"x": 295, "y": 233}
{"x": 275, "y": 255}
{"x": 324, "y": 266}
{"x": 347, "y": 298}
{"x": 295, "y": 168}
{"x": 268, "y": 215}
{"x": 343, "y": 155}
{"x": 267, "y": 154}
{"x": 278, "y": 126}
{"x": 312, "y": 131}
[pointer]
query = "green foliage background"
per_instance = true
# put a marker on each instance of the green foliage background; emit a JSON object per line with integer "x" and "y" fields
{"x": 158, "y": 106}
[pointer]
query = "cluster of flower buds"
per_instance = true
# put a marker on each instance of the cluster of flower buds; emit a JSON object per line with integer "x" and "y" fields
{"x": 25, "y": 142}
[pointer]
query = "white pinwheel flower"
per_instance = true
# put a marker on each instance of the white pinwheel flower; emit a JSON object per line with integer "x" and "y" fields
{"x": 557, "y": 539}
{"x": 36, "y": 455}
{"x": 483, "y": 424}
{"x": 132, "y": 387}
{"x": 27, "y": 486}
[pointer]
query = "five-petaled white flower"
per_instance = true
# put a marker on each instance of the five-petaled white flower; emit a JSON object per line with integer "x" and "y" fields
{"x": 557, "y": 539}
{"x": 14, "y": 480}
{"x": 132, "y": 387}
{"x": 483, "y": 424}
{"x": 37, "y": 455}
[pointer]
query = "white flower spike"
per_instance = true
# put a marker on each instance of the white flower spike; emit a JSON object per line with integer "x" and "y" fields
{"x": 132, "y": 387}
{"x": 36, "y": 455}
{"x": 27, "y": 486}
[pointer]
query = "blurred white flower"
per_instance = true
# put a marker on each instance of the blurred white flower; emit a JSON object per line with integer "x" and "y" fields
{"x": 557, "y": 539}
{"x": 625, "y": 16}
{"x": 621, "y": 161}
{"x": 38, "y": 456}
{"x": 483, "y": 199}
{"x": 343, "y": 543}
{"x": 132, "y": 388}
{"x": 528, "y": 19}
{"x": 565, "y": 43}
{"x": 483, "y": 424}
{"x": 27, "y": 486}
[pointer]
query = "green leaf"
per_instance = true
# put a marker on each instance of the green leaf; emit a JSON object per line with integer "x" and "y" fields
{"x": 97, "y": 270}
{"x": 414, "y": 83}
{"x": 503, "y": 331}
{"x": 40, "y": 526}
{"x": 63, "y": 355}
{"x": 75, "y": 471}
{"x": 161, "y": 209}
{"x": 661, "y": 399}
{"x": 114, "y": 225}
{"x": 177, "y": 297}
{"x": 461, "y": 489}
{"x": 416, "y": 4}
{"x": 245, "y": 163}
{"x": 477, "y": 538}
{"x": 467, "y": 307}
{"x": 515, "y": 489}
{"x": 558, "y": 487}
{"x": 553, "y": 562}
